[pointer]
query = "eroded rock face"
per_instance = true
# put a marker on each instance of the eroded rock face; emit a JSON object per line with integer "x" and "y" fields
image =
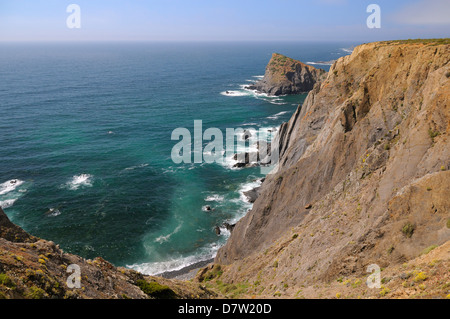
{"x": 288, "y": 76}
{"x": 369, "y": 149}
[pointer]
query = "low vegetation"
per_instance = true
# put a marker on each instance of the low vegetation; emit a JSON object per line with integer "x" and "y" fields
{"x": 156, "y": 290}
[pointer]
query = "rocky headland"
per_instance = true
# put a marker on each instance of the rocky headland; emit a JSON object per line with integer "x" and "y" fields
{"x": 284, "y": 76}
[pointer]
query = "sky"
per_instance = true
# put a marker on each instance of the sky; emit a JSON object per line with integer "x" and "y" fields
{"x": 219, "y": 20}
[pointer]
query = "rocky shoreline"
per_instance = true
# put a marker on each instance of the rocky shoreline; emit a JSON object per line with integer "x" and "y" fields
{"x": 186, "y": 273}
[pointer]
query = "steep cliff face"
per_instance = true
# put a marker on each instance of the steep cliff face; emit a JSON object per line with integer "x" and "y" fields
{"x": 288, "y": 76}
{"x": 364, "y": 172}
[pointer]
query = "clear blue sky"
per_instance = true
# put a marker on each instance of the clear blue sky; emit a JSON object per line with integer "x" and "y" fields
{"x": 230, "y": 20}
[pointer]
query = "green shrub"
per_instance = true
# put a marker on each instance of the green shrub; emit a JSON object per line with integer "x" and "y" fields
{"x": 408, "y": 229}
{"x": 384, "y": 291}
{"x": 215, "y": 272}
{"x": 35, "y": 293}
{"x": 433, "y": 134}
{"x": 156, "y": 290}
{"x": 428, "y": 249}
{"x": 6, "y": 281}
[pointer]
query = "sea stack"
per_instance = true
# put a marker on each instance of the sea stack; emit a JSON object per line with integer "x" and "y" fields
{"x": 288, "y": 76}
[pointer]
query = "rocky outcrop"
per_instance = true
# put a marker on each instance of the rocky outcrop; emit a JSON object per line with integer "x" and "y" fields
{"x": 369, "y": 154}
{"x": 288, "y": 76}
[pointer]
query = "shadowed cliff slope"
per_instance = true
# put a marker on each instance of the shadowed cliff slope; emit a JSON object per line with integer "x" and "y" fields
{"x": 363, "y": 176}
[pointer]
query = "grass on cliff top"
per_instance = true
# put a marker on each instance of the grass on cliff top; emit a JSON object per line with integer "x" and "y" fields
{"x": 420, "y": 41}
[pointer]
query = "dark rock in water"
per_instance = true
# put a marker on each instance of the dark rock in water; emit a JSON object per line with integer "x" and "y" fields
{"x": 247, "y": 134}
{"x": 252, "y": 194}
{"x": 288, "y": 76}
{"x": 246, "y": 159}
{"x": 228, "y": 226}
{"x": 207, "y": 208}
{"x": 217, "y": 230}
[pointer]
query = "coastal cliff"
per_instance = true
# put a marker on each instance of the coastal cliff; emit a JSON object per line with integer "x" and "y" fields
{"x": 363, "y": 174}
{"x": 287, "y": 76}
{"x": 363, "y": 179}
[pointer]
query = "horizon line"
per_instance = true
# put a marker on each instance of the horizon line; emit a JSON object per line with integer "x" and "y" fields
{"x": 207, "y": 41}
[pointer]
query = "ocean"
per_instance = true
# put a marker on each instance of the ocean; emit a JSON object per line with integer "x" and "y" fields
{"x": 85, "y": 143}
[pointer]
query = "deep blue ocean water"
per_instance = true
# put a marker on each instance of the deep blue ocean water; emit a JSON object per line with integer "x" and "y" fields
{"x": 85, "y": 143}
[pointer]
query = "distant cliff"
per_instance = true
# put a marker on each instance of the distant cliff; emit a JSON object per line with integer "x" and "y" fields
{"x": 364, "y": 175}
{"x": 287, "y": 76}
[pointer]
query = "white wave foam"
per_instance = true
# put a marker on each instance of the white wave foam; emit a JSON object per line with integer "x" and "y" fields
{"x": 262, "y": 134}
{"x": 4, "y": 204}
{"x": 247, "y": 187}
{"x": 214, "y": 198}
{"x": 245, "y": 91}
{"x": 79, "y": 180}
{"x": 10, "y": 192}
{"x": 234, "y": 93}
{"x": 136, "y": 166}
{"x": 262, "y": 96}
{"x": 347, "y": 50}
{"x": 10, "y": 186}
{"x": 163, "y": 239}
{"x": 176, "y": 262}
{"x": 276, "y": 116}
{"x": 321, "y": 63}
{"x": 53, "y": 212}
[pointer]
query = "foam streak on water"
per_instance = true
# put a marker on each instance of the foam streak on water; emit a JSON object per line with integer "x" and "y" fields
{"x": 10, "y": 192}
{"x": 77, "y": 181}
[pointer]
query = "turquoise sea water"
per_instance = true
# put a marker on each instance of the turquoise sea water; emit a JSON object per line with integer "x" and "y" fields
{"x": 85, "y": 143}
